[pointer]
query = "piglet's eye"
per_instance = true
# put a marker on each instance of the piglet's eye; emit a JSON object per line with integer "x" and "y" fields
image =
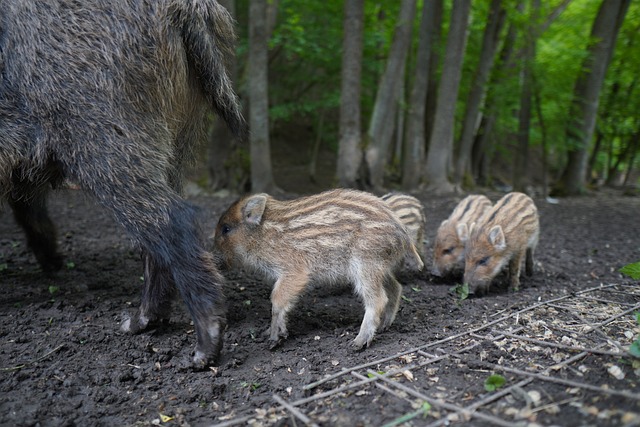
{"x": 483, "y": 261}
{"x": 447, "y": 251}
{"x": 225, "y": 229}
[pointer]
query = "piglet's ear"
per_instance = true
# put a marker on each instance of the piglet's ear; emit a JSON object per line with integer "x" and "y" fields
{"x": 253, "y": 209}
{"x": 496, "y": 237}
{"x": 463, "y": 231}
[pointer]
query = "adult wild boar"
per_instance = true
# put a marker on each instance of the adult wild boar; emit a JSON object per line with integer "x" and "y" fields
{"x": 112, "y": 95}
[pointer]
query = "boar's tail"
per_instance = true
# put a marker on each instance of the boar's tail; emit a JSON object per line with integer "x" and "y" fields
{"x": 209, "y": 40}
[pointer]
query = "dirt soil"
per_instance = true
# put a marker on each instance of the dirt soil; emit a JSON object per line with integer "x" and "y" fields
{"x": 64, "y": 362}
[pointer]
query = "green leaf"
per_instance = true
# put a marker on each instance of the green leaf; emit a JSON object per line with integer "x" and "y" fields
{"x": 634, "y": 349}
{"x": 494, "y": 382}
{"x": 71, "y": 265}
{"x": 4, "y": 266}
{"x": 632, "y": 270}
{"x": 53, "y": 289}
{"x": 461, "y": 290}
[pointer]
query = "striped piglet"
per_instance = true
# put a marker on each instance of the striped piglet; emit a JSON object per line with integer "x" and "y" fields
{"x": 335, "y": 236}
{"x": 509, "y": 234}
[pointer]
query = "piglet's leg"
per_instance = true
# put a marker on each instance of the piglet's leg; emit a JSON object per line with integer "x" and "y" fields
{"x": 283, "y": 298}
{"x": 371, "y": 289}
{"x": 528, "y": 266}
{"x": 514, "y": 270}
{"x": 394, "y": 292}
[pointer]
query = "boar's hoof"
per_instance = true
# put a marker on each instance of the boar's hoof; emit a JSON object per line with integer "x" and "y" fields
{"x": 275, "y": 344}
{"x": 139, "y": 323}
{"x": 50, "y": 264}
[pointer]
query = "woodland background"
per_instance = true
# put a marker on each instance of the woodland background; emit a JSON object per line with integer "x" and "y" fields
{"x": 439, "y": 95}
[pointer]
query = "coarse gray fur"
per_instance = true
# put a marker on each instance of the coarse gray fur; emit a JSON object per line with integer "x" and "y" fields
{"x": 112, "y": 95}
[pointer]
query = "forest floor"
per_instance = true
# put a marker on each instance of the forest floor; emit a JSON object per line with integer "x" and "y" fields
{"x": 560, "y": 342}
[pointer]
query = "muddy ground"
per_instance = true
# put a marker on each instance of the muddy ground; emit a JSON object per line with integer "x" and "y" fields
{"x": 64, "y": 361}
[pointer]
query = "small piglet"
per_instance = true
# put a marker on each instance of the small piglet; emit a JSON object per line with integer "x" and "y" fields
{"x": 336, "y": 236}
{"x": 410, "y": 212}
{"x": 453, "y": 233}
{"x": 508, "y": 234}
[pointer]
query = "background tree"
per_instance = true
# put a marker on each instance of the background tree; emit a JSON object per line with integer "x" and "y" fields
{"x": 261, "y": 171}
{"x": 584, "y": 106}
{"x": 381, "y": 124}
{"x": 440, "y": 151}
{"x": 350, "y": 150}
{"x": 413, "y": 156}
{"x": 470, "y": 122}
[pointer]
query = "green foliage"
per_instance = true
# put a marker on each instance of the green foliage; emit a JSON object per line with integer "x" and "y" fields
{"x": 494, "y": 382}
{"x": 634, "y": 348}
{"x": 422, "y": 411}
{"x": 461, "y": 290}
{"x": 632, "y": 270}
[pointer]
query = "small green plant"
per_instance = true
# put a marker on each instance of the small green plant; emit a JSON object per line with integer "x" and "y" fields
{"x": 370, "y": 375}
{"x": 54, "y": 289}
{"x": 461, "y": 290}
{"x": 4, "y": 266}
{"x": 423, "y": 410}
{"x": 632, "y": 270}
{"x": 494, "y": 382}
{"x": 634, "y": 348}
{"x": 251, "y": 386}
{"x": 71, "y": 265}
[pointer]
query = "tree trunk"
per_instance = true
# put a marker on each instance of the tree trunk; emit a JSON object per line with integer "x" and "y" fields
{"x": 490, "y": 40}
{"x": 381, "y": 125}
{"x": 435, "y": 36}
{"x": 413, "y": 153}
{"x": 349, "y": 149}
{"x": 441, "y": 141}
{"x": 260, "y": 150}
{"x": 223, "y": 149}
{"x": 584, "y": 107}
{"x": 521, "y": 160}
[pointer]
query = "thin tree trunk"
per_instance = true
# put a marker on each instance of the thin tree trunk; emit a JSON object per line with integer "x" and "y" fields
{"x": 222, "y": 146}
{"x": 260, "y": 149}
{"x": 490, "y": 40}
{"x": 635, "y": 144}
{"x": 584, "y": 107}
{"x": 521, "y": 161}
{"x": 435, "y": 36}
{"x": 349, "y": 150}
{"x": 441, "y": 141}
{"x": 413, "y": 155}
{"x": 381, "y": 125}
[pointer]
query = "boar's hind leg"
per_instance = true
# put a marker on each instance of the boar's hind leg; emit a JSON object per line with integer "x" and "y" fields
{"x": 158, "y": 290}
{"x": 165, "y": 227}
{"x": 30, "y": 211}
{"x": 371, "y": 288}
{"x": 394, "y": 293}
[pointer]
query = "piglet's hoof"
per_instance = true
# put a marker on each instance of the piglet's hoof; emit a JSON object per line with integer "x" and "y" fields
{"x": 358, "y": 346}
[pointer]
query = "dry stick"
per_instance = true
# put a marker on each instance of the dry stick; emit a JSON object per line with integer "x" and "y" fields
{"x": 44, "y": 356}
{"x": 561, "y": 346}
{"x": 302, "y": 417}
{"x": 608, "y": 301}
{"x": 596, "y": 326}
{"x": 545, "y": 377}
{"x": 441, "y": 404}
